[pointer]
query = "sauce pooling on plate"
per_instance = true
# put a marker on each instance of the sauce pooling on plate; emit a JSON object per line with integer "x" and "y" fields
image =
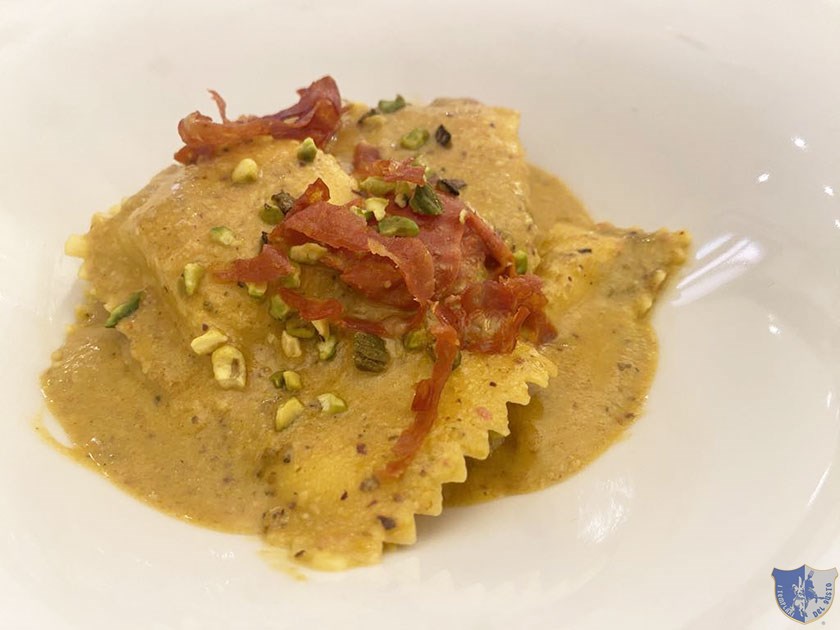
{"x": 318, "y": 335}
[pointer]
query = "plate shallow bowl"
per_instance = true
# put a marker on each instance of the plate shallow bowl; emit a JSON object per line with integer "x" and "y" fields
{"x": 719, "y": 117}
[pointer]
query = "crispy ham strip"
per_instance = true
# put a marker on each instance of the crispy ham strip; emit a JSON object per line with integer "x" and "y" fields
{"x": 312, "y": 308}
{"x": 489, "y": 316}
{"x": 339, "y": 228}
{"x": 426, "y": 400}
{"x": 392, "y": 171}
{"x": 457, "y": 266}
{"x": 364, "y": 155}
{"x": 267, "y": 266}
{"x": 316, "y": 115}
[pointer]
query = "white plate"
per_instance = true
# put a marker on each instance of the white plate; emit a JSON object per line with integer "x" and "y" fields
{"x": 717, "y": 116}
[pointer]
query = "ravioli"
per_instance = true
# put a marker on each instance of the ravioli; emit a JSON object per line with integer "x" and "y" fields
{"x": 313, "y": 488}
{"x": 332, "y": 510}
{"x": 484, "y": 152}
{"x": 283, "y": 339}
{"x": 156, "y": 233}
{"x": 601, "y": 283}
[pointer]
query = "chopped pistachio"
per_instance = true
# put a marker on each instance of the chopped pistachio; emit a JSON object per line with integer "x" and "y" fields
{"x": 455, "y": 362}
{"x": 299, "y": 328}
{"x": 389, "y": 107}
{"x": 420, "y": 160}
{"x": 292, "y": 281}
{"x": 376, "y": 206}
{"x": 271, "y": 214}
{"x": 327, "y": 348}
{"x": 398, "y": 226}
{"x": 443, "y": 137}
{"x": 124, "y": 310}
{"x": 256, "y": 289}
{"x": 287, "y": 413}
{"x": 361, "y": 212}
{"x": 209, "y": 341}
{"x": 76, "y": 246}
{"x": 292, "y": 381}
{"x": 369, "y": 353}
{"x": 376, "y": 186}
{"x": 277, "y": 308}
{"x": 425, "y": 201}
{"x": 520, "y": 260}
{"x": 417, "y": 339}
{"x": 414, "y": 139}
{"x": 228, "y": 367}
{"x": 307, "y": 150}
{"x": 283, "y": 200}
{"x": 367, "y": 115}
{"x": 308, "y": 253}
{"x": 331, "y": 404}
{"x": 290, "y": 345}
{"x": 322, "y": 326}
{"x": 404, "y": 188}
{"x": 246, "y": 171}
{"x": 222, "y": 235}
{"x": 402, "y": 192}
{"x": 193, "y": 273}
{"x": 277, "y": 379}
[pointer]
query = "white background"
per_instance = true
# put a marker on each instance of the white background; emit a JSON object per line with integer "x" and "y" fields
{"x": 722, "y": 117}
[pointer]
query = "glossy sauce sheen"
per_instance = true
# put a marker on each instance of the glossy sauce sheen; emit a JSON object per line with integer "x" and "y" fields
{"x": 606, "y": 358}
{"x": 198, "y": 462}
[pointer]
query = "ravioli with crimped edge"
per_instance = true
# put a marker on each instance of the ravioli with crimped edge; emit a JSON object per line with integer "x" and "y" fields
{"x": 311, "y": 324}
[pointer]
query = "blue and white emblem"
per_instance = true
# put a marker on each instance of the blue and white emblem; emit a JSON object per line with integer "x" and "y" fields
{"x": 805, "y": 594}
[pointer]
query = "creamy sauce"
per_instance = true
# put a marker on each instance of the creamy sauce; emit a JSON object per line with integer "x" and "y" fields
{"x": 200, "y": 466}
{"x": 160, "y": 427}
{"x": 606, "y": 353}
{"x": 194, "y": 463}
{"x": 552, "y": 202}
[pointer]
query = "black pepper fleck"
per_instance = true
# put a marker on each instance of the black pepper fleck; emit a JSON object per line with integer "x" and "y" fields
{"x": 387, "y": 522}
{"x": 442, "y": 136}
{"x": 451, "y": 186}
